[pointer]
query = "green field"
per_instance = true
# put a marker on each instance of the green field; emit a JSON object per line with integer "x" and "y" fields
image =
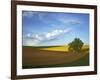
{"x": 53, "y": 56}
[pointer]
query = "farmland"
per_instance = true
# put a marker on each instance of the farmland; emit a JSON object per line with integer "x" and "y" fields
{"x": 53, "y": 56}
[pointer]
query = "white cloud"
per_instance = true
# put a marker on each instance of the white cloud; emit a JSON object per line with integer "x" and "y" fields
{"x": 38, "y": 38}
{"x": 72, "y": 21}
{"x": 41, "y": 16}
{"x": 34, "y": 37}
{"x": 28, "y": 14}
{"x": 28, "y": 35}
{"x": 56, "y": 33}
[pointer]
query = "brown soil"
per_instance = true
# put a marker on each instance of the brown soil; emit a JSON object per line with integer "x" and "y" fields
{"x": 36, "y": 57}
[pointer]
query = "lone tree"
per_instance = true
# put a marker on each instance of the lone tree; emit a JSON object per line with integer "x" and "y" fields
{"x": 76, "y": 45}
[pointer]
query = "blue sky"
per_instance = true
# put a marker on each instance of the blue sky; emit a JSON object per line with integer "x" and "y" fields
{"x": 54, "y": 28}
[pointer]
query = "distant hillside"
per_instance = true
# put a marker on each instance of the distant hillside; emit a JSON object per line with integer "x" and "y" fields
{"x": 54, "y": 48}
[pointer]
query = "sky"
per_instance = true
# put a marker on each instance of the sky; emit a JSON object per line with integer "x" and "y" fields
{"x": 41, "y": 28}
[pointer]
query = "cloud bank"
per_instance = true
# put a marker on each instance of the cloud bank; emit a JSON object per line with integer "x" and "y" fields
{"x": 30, "y": 38}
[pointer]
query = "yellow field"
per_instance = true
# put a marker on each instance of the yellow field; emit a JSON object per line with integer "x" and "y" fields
{"x": 57, "y": 48}
{"x": 85, "y": 47}
{"x": 61, "y": 48}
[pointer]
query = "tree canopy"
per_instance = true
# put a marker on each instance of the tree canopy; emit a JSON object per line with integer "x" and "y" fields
{"x": 75, "y": 45}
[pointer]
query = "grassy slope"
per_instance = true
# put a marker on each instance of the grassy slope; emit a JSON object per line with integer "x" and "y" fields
{"x": 38, "y": 57}
{"x": 84, "y": 61}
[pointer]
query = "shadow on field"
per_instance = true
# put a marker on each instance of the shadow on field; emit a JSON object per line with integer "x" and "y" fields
{"x": 36, "y": 58}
